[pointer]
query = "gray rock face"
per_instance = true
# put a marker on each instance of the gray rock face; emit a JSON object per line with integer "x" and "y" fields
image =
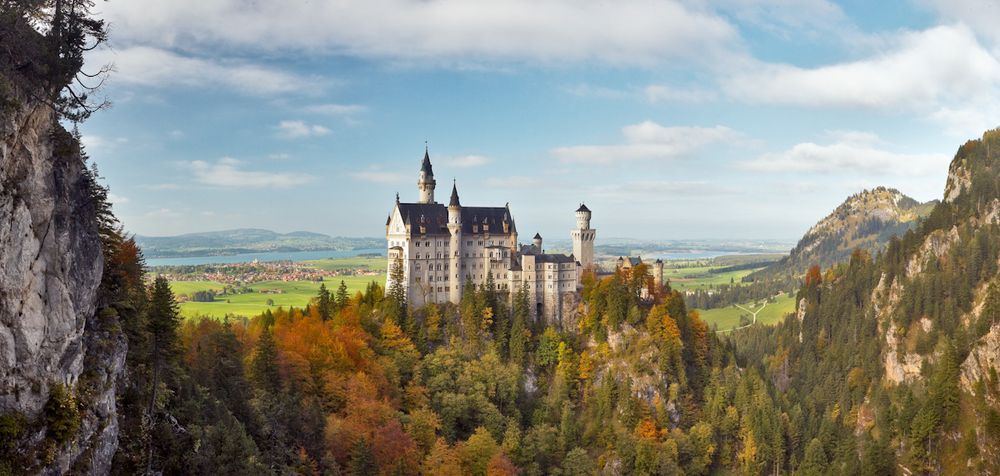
{"x": 50, "y": 269}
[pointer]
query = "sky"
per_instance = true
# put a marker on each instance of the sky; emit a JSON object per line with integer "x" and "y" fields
{"x": 670, "y": 119}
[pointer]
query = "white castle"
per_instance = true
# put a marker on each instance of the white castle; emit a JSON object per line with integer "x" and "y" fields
{"x": 441, "y": 248}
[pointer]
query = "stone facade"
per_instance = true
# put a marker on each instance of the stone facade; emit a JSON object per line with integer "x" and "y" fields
{"x": 441, "y": 248}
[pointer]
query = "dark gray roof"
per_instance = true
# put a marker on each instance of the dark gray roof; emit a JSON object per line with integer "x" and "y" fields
{"x": 434, "y": 216}
{"x": 538, "y": 236}
{"x": 425, "y": 166}
{"x": 454, "y": 196}
{"x": 583, "y": 208}
{"x": 552, "y": 258}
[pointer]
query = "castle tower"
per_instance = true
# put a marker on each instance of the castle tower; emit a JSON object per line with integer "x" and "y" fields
{"x": 537, "y": 241}
{"x": 583, "y": 238}
{"x": 658, "y": 273}
{"x": 426, "y": 181}
{"x": 455, "y": 228}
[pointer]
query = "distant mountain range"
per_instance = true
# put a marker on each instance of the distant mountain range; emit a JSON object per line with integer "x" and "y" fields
{"x": 866, "y": 220}
{"x": 247, "y": 240}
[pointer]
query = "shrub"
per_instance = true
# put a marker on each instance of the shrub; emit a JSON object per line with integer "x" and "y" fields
{"x": 62, "y": 414}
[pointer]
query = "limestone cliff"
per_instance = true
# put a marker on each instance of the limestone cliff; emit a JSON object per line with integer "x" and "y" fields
{"x": 50, "y": 270}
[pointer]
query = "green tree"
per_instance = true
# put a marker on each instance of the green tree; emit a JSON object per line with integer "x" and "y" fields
{"x": 264, "y": 365}
{"x": 814, "y": 461}
{"x": 324, "y": 303}
{"x": 162, "y": 322}
{"x": 341, "y": 298}
{"x": 397, "y": 306}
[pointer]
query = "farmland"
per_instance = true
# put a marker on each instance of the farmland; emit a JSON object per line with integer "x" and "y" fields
{"x": 281, "y": 293}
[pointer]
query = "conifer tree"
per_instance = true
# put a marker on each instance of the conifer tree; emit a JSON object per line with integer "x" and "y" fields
{"x": 162, "y": 321}
{"x": 341, "y": 298}
{"x": 264, "y": 366}
{"x": 324, "y": 304}
{"x": 397, "y": 293}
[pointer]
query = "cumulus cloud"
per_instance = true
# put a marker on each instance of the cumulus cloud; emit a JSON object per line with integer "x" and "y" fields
{"x": 229, "y": 172}
{"x": 648, "y": 140}
{"x": 155, "y": 67}
{"x": 643, "y": 31}
{"x": 851, "y": 152}
{"x": 923, "y": 68}
{"x": 300, "y": 129}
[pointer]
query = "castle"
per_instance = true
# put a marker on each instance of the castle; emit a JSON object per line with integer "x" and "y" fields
{"x": 441, "y": 248}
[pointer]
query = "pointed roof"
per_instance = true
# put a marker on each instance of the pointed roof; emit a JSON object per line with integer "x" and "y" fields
{"x": 454, "y": 195}
{"x": 538, "y": 236}
{"x": 583, "y": 208}
{"x": 425, "y": 166}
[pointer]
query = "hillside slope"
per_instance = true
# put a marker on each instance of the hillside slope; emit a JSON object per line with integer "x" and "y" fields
{"x": 866, "y": 220}
{"x": 896, "y": 354}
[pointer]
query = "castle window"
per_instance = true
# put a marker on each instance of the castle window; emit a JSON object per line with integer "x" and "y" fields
{"x": 468, "y": 243}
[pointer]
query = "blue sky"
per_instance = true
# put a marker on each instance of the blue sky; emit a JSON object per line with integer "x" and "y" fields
{"x": 671, "y": 119}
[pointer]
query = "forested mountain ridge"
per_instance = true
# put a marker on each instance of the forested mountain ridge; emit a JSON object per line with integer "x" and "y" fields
{"x": 246, "y": 240}
{"x": 895, "y": 356}
{"x": 865, "y": 220}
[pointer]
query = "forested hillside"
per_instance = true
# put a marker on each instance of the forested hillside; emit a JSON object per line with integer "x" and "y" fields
{"x": 894, "y": 357}
{"x": 867, "y": 220}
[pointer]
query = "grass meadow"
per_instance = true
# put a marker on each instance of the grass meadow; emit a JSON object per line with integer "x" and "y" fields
{"x": 726, "y": 318}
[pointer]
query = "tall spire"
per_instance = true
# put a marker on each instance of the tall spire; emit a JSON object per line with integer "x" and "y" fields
{"x": 426, "y": 182}
{"x": 454, "y": 195}
{"x": 425, "y": 166}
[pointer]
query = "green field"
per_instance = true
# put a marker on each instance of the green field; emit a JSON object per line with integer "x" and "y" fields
{"x": 374, "y": 263}
{"x": 293, "y": 293}
{"x": 700, "y": 277}
{"x": 726, "y": 318}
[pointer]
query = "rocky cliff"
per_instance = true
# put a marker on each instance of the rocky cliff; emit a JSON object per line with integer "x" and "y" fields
{"x": 58, "y": 363}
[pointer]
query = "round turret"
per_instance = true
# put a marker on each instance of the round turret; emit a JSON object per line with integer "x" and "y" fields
{"x": 454, "y": 206}
{"x": 426, "y": 182}
{"x": 538, "y": 241}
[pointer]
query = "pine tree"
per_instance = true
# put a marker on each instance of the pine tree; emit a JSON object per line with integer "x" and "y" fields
{"x": 264, "y": 366}
{"x": 341, "y": 298}
{"x": 397, "y": 293}
{"x": 519, "y": 333}
{"x": 324, "y": 304}
{"x": 162, "y": 321}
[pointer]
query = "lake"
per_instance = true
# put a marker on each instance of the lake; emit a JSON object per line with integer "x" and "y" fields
{"x": 262, "y": 256}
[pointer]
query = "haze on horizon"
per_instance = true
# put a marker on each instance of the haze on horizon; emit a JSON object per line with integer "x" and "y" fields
{"x": 671, "y": 119}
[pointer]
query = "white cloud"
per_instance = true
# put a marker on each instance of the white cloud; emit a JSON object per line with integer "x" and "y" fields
{"x": 300, "y": 129}
{"x": 853, "y": 153}
{"x": 93, "y": 143}
{"x": 336, "y": 109}
{"x": 663, "y": 93}
{"x": 642, "y": 31}
{"x": 154, "y": 67}
{"x": 279, "y": 156}
{"x": 938, "y": 65}
{"x": 229, "y": 172}
{"x": 116, "y": 199}
{"x": 648, "y": 140}
{"x": 981, "y": 15}
{"x": 464, "y": 161}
